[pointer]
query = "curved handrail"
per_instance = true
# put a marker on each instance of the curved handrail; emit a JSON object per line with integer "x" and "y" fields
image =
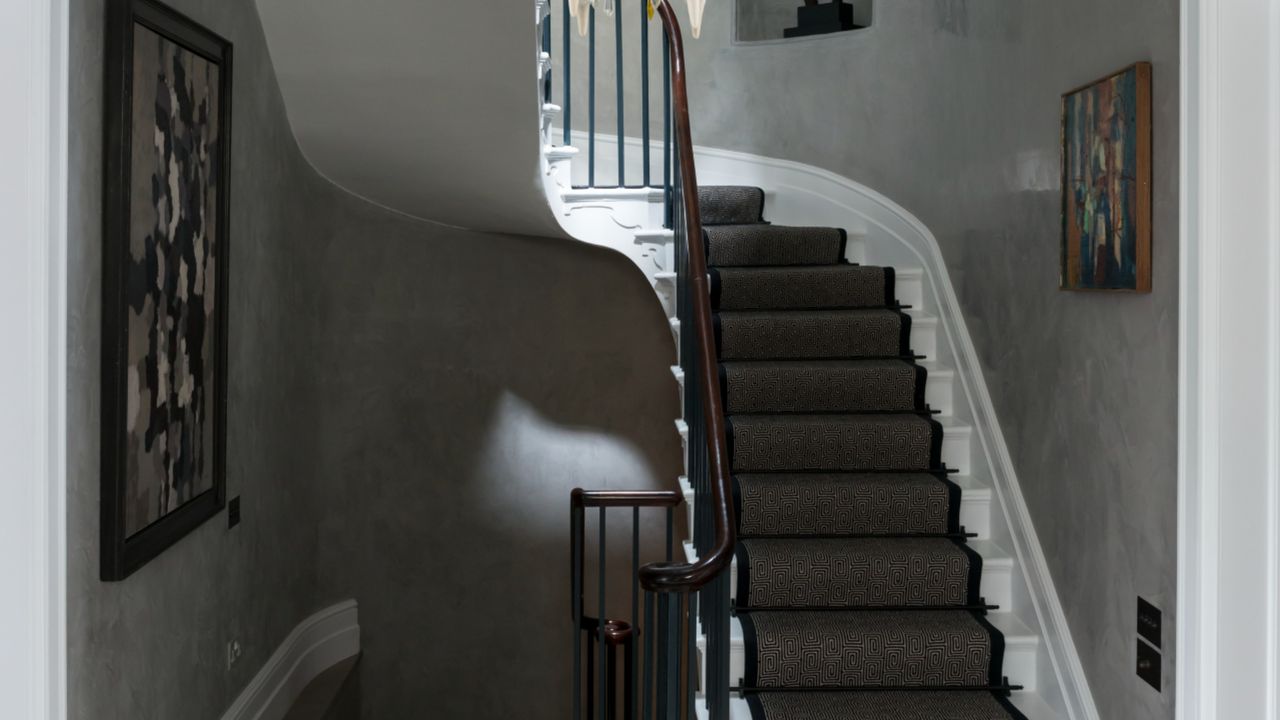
{"x": 686, "y": 577}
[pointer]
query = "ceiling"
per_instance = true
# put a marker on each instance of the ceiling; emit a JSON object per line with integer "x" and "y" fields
{"x": 423, "y": 106}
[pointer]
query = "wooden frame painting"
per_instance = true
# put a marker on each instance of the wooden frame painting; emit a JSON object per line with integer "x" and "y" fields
{"x": 164, "y": 267}
{"x": 1106, "y": 183}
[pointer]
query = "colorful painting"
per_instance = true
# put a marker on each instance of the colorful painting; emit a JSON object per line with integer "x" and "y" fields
{"x": 1106, "y": 183}
{"x": 165, "y": 282}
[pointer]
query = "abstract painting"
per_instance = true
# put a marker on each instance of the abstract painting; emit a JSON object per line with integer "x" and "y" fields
{"x": 1106, "y": 183}
{"x": 164, "y": 281}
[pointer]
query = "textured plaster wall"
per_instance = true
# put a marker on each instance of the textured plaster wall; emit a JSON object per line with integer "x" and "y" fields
{"x": 409, "y": 407}
{"x": 950, "y": 107}
{"x": 153, "y": 646}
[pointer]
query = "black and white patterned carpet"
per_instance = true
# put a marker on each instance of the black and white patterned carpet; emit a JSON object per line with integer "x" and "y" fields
{"x": 858, "y": 596}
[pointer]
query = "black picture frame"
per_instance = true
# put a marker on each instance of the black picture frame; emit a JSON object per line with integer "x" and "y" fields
{"x": 123, "y": 553}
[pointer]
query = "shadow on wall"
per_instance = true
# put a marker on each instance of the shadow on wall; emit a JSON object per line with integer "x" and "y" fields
{"x": 467, "y": 383}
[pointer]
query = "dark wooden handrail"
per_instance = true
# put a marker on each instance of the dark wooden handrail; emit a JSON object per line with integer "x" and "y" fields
{"x": 687, "y": 577}
{"x": 624, "y": 498}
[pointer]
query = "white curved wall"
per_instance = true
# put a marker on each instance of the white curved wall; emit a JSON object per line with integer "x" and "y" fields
{"x": 428, "y": 108}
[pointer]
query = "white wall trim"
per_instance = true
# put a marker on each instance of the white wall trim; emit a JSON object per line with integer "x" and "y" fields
{"x": 33, "y": 209}
{"x": 1228, "y": 630}
{"x": 316, "y": 644}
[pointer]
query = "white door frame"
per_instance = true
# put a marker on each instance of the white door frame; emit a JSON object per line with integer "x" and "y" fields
{"x": 33, "y": 270}
{"x": 1229, "y": 354}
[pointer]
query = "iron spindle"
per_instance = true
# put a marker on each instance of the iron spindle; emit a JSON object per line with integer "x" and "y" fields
{"x": 591, "y": 101}
{"x": 617, "y": 32}
{"x": 644, "y": 86}
{"x": 600, "y": 617}
{"x": 568, "y": 88}
{"x": 633, "y": 679}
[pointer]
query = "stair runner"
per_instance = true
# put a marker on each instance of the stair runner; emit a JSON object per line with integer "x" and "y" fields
{"x": 858, "y": 597}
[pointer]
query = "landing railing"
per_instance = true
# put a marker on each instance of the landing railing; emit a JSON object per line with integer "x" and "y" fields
{"x": 645, "y": 662}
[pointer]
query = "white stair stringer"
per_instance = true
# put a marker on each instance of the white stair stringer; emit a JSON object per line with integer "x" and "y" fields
{"x": 1040, "y": 654}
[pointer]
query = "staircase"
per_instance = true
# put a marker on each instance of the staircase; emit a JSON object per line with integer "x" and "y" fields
{"x": 856, "y": 590}
{"x": 858, "y": 544}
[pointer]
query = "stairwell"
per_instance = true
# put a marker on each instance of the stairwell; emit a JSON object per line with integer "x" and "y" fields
{"x": 885, "y": 565}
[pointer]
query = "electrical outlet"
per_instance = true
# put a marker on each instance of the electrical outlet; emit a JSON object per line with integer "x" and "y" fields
{"x": 234, "y": 651}
{"x": 1149, "y": 664}
{"x": 1149, "y": 622}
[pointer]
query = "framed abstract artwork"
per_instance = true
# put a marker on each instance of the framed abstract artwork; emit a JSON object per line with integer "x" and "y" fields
{"x": 164, "y": 270}
{"x": 1106, "y": 183}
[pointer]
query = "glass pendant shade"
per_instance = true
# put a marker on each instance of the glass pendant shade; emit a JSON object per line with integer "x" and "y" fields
{"x": 696, "y": 8}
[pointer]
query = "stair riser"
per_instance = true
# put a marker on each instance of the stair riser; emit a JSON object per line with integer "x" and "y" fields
{"x": 939, "y": 392}
{"x": 924, "y": 337}
{"x": 956, "y": 446}
{"x": 909, "y": 289}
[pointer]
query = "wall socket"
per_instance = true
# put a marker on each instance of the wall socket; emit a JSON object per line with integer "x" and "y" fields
{"x": 234, "y": 651}
{"x": 1149, "y": 622}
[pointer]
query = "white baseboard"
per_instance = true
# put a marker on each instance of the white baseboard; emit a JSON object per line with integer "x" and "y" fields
{"x": 316, "y": 644}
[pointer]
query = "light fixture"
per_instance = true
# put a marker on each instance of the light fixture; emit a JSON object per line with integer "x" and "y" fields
{"x": 696, "y": 7}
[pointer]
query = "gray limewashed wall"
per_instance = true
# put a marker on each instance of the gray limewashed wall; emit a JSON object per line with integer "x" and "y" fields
{"x": 950, "y": 107}
{"x": 409, "y": 406}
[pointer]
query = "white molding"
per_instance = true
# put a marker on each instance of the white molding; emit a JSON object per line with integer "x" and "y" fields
{"x": 1228, "y": 630}
{"x": 33, "y": 208}
{"x": 316, "y": 644}
{"x": 799, "y": 193}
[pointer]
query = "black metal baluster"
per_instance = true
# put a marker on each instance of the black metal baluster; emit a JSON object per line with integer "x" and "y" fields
{"x": 617, "y": 32}
{"x": 575, "y": 561}
{"x": 666, "y": 127}
{"x": 722, "y": 679}
{"x": 670, "y": 536}
{"x": 600, "y": 619}
{"x": 568, "y": 88}
{"x": 663, "y": 653}
{"x": 632, "y": 668}
{"x": 591, "y": 102}
{"x": 649, "y": 632}
{"x": 691, "y": 693}
{"x": 644, "y": 86}
{"x": 674, "y": 645}
{"x": 546, "y": 48}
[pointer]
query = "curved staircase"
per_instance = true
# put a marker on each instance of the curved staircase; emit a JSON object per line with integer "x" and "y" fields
{"x": 856, "y": 593}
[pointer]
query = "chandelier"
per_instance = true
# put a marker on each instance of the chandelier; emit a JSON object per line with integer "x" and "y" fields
{"x": 580, "y": 9}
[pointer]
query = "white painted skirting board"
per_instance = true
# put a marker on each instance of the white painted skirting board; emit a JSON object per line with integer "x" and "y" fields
{"x": 316, "y": 644}
{"x": 803, "y": 194}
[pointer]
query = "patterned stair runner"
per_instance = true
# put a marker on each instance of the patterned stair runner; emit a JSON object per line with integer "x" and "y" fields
{"x": 858, "y": 596}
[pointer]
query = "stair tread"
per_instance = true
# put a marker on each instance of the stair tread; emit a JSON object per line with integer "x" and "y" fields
{"x": 871, "y": 648}
{"x": 758, "y": 244}
{"x": 866, "y": 385}
{"x": 835, "y": 442}
{"x": 857, "y": 573}
{"x": 812, "y": 334}
{"x": 842, "y": 503}
{"x": 730, "y": 204}
{"x": 1030, "y": 704}
{"x": 879, "y": 705}
{"x": 801, "y": 287}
